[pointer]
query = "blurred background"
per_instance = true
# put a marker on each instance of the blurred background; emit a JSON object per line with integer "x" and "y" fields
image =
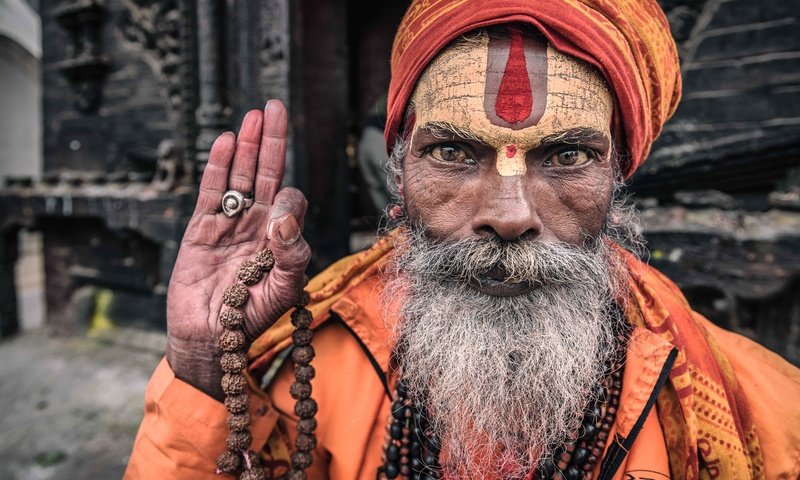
{"x": 107, "y": 112}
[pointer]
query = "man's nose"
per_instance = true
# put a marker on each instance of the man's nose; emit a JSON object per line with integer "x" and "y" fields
{"x": 506, "y": 211}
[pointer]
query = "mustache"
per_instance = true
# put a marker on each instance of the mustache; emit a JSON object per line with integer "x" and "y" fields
{"x": 519, "y": 261}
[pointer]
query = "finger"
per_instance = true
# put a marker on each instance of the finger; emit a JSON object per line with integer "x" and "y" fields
{"x": 292, "y": 255}
{"x": 215, "y": 176}
{"x": 288, "y": 202}
{"x": 291, "y": 252}
{"x": 243, "y": 171}
{"x": 272, "y": 153}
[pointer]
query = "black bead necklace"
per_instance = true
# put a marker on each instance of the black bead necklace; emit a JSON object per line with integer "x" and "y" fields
{"x": 411, "y": 450}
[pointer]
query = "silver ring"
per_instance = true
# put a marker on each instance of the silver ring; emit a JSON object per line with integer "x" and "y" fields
{"x": 234, "y": 202}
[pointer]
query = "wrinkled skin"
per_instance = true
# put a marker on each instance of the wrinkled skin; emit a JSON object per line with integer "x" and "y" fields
{"x": 466, "y": 175}
{"x": 214, "y": 246}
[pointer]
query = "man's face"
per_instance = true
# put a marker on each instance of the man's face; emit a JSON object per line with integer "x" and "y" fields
{"x": 512, "y": 138}
{"x": 508, "y": 174}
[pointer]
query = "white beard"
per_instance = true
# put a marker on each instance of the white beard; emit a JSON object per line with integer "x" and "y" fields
{"x": 505, "y": 379}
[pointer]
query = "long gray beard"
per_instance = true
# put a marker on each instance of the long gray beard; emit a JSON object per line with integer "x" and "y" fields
{"x": 504, "y": 379}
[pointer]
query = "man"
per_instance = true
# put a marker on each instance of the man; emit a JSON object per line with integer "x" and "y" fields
{"x": 502, "y": 330}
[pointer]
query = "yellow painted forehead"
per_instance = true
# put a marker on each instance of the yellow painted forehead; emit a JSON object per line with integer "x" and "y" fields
{"x": 512, "y": 91}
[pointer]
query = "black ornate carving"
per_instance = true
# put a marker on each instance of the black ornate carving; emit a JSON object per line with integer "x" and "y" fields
{"x": 188, "y": 79}
{"x": 274, "y": 54}
{"x": 154, "y": 29}
{"x": 85, "y": 67}
{"x": 212, "y": 112}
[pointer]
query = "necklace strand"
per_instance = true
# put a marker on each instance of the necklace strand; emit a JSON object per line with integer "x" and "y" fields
{"x": 411, "y": 450}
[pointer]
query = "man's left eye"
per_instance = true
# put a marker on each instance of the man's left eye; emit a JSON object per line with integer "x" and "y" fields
{"x": 568, "y": 158}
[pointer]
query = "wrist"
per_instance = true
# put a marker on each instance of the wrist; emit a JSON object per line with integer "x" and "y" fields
{"x": 197, "y": 363}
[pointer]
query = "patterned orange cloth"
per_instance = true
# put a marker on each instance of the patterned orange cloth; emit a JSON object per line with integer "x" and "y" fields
{"x": 702, "y": 409}
{"x": 629, "y": 41}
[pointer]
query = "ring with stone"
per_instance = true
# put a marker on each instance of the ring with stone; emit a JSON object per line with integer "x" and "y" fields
{"x": 234, "y": 202}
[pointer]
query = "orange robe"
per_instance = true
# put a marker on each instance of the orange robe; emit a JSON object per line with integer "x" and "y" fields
{"x": 719, "y": 406}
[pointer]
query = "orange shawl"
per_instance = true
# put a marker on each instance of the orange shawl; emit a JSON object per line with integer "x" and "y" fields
{"x": 701, "y": 408}
{"x": 707, "y": 421}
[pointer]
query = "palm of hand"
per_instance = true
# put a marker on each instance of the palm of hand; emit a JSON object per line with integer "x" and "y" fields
{"x": 214, "y": 246}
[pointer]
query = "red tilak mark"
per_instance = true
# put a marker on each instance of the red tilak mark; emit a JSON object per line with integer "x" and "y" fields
{"x": 511, "y": 150}
{"x": 514, "y": 100}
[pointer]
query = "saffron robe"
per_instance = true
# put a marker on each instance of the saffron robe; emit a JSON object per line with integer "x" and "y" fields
{"x": 697, "y": 401}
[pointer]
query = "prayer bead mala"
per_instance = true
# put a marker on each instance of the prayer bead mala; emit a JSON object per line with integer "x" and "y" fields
{"x": 411, "y": 450}
{"x": 233, "y": 341}
{"x": 577, "y": 460}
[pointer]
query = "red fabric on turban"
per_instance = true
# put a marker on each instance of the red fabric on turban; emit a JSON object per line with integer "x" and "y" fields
{"x": 629, "y": 41}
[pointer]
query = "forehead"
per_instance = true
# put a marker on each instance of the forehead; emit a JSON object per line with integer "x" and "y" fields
{"x": 513, "y": 90}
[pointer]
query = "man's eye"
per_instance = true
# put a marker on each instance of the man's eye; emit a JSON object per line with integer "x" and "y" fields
{"x": 568, "y": 158}
{"x": 451, "y": 153}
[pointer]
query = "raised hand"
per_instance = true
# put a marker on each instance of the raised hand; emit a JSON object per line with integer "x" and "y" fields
{"x": 214, "y": 246}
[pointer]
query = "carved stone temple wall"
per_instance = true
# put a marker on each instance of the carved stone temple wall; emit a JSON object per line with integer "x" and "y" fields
{"x": 135, "y": 91}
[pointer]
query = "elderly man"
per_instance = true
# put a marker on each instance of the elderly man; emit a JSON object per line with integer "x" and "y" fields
{"x": 505, "y": 329}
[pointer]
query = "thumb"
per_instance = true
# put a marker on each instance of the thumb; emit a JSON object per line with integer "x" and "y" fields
{"x": 292, "y": 255}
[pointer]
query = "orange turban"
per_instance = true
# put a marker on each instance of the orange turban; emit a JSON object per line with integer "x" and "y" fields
{"x": 629, "y": 41}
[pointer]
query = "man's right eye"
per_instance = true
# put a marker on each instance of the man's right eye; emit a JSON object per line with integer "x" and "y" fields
{"x": 451, "y": 153}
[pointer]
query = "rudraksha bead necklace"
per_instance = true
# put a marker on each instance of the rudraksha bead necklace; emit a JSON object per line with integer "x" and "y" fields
{"x": 238, "y": 457}
{"x": 411, "y": 450}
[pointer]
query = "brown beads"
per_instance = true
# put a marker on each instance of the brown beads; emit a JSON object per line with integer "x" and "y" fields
{"x": 232, "y": 341}
{"x": 265, "y": 259}
{"x": 231, "y": 318}
{"x": 304, "y": 299}
{"x": 237, "y": 403}
{"x": 238, "y": 421}
{"x": 301, "y": 318}
{"x": 301, "y": 459}
{"x": 302, "y": 355}
{"x": 302, "y": 338}
{"x": 300, "y": 391}
{"x": 306, "y": 408}
{"x": 232, "y": 362}
{"x": 307, "y": 425}
{"x": 233, "y": 383}
{"x": 235, "y": 296}
{"x": 229, "y": 462}
{"x": 238, "y": 441}
{"x": 304, "y": 373}
{"x": 250, "y": 273}
{"x": 255, "y": 473}
{"x": 306, "y": 442}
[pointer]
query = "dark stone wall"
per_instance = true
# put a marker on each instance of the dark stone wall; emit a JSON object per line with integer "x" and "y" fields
{"x": 721, "y": 189}
{"x": 737, "y": 128}
{"x": 135, "y": 113}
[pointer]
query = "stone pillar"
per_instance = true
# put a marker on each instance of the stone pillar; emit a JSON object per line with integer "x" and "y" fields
{"x": 212, "y": 112}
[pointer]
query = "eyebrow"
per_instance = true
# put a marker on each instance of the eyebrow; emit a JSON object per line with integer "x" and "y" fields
{"x": 577, "y": 136}
{"x": 445, "y": 130}
{"x": 571, "y": 136}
